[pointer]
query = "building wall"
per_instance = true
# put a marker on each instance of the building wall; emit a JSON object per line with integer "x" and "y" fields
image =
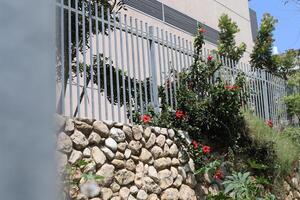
{"x": 208, "y": 13}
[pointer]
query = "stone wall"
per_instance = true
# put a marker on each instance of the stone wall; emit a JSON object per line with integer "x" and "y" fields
{"x": 137, "y": 162}
{"x": 292, "y": 184}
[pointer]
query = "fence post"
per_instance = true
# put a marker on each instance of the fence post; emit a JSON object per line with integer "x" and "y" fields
{"x": 153, "y": 70}
{"x": 265, "y": 95}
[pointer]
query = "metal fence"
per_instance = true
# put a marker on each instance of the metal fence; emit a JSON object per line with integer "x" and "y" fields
{"x": 110, "y": 65}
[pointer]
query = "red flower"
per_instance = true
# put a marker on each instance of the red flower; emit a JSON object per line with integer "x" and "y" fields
{"x": 195, "y": 144}
{"x": 231, "y": 87}
{"x": 146, "y": 118}
{"x": 202, "y": 30}
{"x": 180, "y": 114}
{"x": 209, "y": 58}
{"x": 218, "y": 175}
{"x": 206, "y": 149}
{"x": 269, "y": 123}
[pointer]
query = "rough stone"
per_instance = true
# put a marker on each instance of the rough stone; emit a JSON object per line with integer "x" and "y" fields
{"x": 157, "y": 152}
{"x": 170, "y": 194}
{"x": 137, "y": 132}
{"x": 178, "y": 181}
{"x": 119, "y": 155}
{"x": 141, "y": 195}
{"x": 175, "y": 162}
{"x": 166, "y": 150}
{"x": 86, "y": 153}
{"x": 153, "y": 197}
{"x": 151, "y": 141}
{"x": 135, "y": 147}
{"x": 183, "y": 156}
{"x": 130, "y": 165}
{"x": 139, "y": 179}
{"x": 165, "y": 178}
{"x": 169, "y": 141}
{"x": 75, "y": 156}
{"x": 98, "y": 156}
{"x": 79, "y": 140}
{"x": 160, "y": 140}
{"x": 90, "y": 189}
{"x": 81, "y": 197}
{"x": 162, "y": 163}
{"x": 152, "y": 173}
{"x": 100, "y": 128}
{"x": 122, "y": 146}
{"x": 118, "y": 163}
{"x": 182, "y": 172}
{"x": 83, "y": 127}
{"x": 106, "y": 193}
{"x": 145, "y": 155}
{"x": 186, "y": 193}
{"x": 90, "y": 167}
{"x": 171, "y": 133}
{"x": 117, "y": 134}
{"x": 156, "y": 130}
{"x": 124, "y": 193}
{"x": 111, "y": 144}
{"x": 174, "y": 172}
{"x": 128, "y": 132}
{"x": 173, "y": 150}
{"x": 124, "y": 177}
{"x": 147, "y": 132}
{"x": 69, "y": 126}
{"x": 191, "y": 180}
{"x": 115, "y": 187}
{"x": 107, "y": 171}
{"x": 59, "y": 123}
{"x": 94, "y": 138}
{"x": 108, "y": 153}
{"x": 151, "y": 186}
{"x": 127, "y": 153}
{"x": 131, "y": 197}
{"x": 64, "y": 143}
{"x": 134, "y": 189}
{"x": 164, "y": 131}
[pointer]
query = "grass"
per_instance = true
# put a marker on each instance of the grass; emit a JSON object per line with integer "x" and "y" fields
{"x": 286, "y": 148}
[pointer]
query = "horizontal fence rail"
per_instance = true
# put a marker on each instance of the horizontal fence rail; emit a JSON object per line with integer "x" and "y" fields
{"x": 109, "y": 66}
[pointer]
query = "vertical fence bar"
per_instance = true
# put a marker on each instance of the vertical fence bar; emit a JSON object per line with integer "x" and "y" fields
{"x": 159, "y": 56}
{"x": 91, "y": 59}
{"x": 110, "y": 66}
{"x": 169, "y": 84}
{"x": 165, "y": 68}
{"x": 70, "y": 58}
{"x": 62, "y": 42}
{"x": 104, "y": 62}
{"x": 128, "y": 68}
{"x": 139, "y": 66}
{"x": 153, "y": 70}
{"x": 98, "y": 60}
{"x": 133, "y": 64}
{"x": 122, "y": 65}
{"x": 144, "y": 66}
{"x": 77, "y": 59}
{"x": 184, "y": 53}
{"x": 173, "y": 68}
{"x": 149, "y": 63}
{"x": 84, "y": 60}
{"x": 117, "y": 67}
{"x": 176, "y": 60}
{"x": 180, "y": 56}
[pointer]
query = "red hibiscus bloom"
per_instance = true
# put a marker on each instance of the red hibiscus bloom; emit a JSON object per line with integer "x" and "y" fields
{"x": 195, "y": 144}
{"x": 218, "y": 175}
{"x": 146, "y": 118}
{"x": 231, "y": 87}
{"x": 206, "y": 149}
{"x": 209, "y": 58}
{"x": 180, "y": 114}
{"x": 202, "y": 30}
{"x": 269, "y": 123}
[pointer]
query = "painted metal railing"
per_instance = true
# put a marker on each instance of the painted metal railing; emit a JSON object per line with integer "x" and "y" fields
{"x": 109, "y": 66}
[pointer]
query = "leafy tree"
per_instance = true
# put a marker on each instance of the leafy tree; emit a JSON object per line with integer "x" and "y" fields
{"x": 292, "y": 101}
{"x": 287, "y": 63}
{"x": 227, "y": 45}
{"x": 261, "y": 56}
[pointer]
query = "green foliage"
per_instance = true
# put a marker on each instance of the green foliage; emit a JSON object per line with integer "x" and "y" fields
{"x": 293, "y": 133}
{"x": 287, "y": 63}
{"x": 240, "y": 186}
{"x": 294, "y": 80}
{"x": 261, "y": 56}
{"x": 227, "y": 45}
{"x": 209, "y": 168}
{"x": 285, "y": 148}
{"x": 293, "y": 105}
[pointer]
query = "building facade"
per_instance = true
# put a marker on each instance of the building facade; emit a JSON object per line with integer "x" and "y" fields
{"x": 181, "y": 18}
